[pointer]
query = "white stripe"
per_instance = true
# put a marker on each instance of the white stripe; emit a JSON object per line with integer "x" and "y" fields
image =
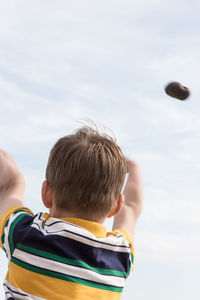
{"x": 68, "y": 269}
{"x": 6, "y": 232}
{"x": 17, "y": 290}
{"x": 86, "y": 237}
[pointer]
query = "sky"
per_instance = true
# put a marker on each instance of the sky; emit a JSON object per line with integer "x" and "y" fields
{"x": 66, "y": 61}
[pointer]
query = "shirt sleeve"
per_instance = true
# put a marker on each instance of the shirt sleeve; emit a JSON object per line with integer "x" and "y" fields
{"x": 121, "y": 232}
{"x": 9, "y": 221}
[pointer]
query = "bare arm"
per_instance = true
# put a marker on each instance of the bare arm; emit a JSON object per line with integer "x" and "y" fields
{"x": 12, "y": 183}
{"x": 127, "y": 217}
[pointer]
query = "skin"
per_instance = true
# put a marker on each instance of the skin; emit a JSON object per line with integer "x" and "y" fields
{"x": 128, "y": 215}
{"x": 126, "y": 211}
{"x": 12, "y": 183}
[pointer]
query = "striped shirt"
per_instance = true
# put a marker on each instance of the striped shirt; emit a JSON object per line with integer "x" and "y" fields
{"x": 66, "y": 258}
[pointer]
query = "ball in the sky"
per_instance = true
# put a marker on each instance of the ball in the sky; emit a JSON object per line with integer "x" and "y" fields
{"x": 177, "y": 90}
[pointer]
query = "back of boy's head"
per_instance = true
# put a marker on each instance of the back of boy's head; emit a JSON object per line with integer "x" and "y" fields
{"x": 86, "y": 172}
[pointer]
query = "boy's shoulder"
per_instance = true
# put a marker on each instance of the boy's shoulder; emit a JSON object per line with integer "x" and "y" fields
{"x": 20, "y": 222}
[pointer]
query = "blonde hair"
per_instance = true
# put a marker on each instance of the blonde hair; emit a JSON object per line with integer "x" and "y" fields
{"x": 86, "y": 171}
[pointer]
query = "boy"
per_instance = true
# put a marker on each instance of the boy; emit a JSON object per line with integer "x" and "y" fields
{"x": 67, "y": 254}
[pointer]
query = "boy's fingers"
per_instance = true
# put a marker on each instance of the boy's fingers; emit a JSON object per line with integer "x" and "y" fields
{"x": 131, "y": 166}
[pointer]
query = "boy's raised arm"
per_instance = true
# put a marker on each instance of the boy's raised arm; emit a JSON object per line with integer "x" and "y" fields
{"x": 12, "y": 183}
{"x": 127, "y": 217}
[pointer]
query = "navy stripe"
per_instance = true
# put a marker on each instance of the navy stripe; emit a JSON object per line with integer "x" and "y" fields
{"x": 69, "y": 248}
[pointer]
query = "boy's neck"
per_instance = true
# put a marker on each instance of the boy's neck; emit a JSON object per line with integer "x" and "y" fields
{"x": 66, "y": 214}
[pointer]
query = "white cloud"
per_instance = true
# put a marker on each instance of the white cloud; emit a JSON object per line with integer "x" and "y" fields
{"x": 172, "y": 209}
{"x": 168, "y": 248}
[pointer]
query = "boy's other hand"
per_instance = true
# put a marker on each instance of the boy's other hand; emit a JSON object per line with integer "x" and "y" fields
{"x": 127, "y": 217}
{"x": 12, "y": 183}
{"x": 133, "y": 188}
{"x": 9, "y": 172}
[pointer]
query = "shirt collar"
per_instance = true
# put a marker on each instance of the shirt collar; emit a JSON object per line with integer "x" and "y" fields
{"x": 95, "y": 228}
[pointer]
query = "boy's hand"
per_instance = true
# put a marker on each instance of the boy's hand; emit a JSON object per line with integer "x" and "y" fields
{"x": 12, "y": 183}
{"x": 9, "y": 172}
{"x": 133, "y": 188}
{"x": 130, "y": 211}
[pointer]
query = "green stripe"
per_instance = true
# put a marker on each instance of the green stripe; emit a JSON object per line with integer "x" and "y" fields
{"x": 18, "y": 210}
{"x": 132, "y": 258}
{"x": 12, "y": 227}
{"x": 72, "y": 262}
{"x": 65, "y": 277}
{"x": 2, "y": 238}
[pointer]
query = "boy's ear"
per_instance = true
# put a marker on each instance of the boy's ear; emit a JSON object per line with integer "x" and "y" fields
{"x": 47, "y": 194}
{"x": 118, "y": 206}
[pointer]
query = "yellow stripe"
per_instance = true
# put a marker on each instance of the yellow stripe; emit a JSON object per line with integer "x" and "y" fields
{"x": 53, "y": 288}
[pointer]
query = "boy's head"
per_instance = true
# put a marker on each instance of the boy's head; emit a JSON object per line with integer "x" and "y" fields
{"x": 86, "y": 172}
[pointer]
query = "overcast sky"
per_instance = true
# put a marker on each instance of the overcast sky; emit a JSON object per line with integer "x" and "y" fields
{"x": 64, "y": 61}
